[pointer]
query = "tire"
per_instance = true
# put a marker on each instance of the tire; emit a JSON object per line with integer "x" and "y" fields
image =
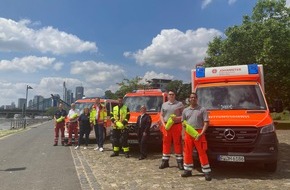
{"x": 271, "y": 167}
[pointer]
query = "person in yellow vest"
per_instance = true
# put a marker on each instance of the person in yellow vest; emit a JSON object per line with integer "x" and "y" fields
{"x": 98, "y": 118}
{"x": 120, "y": 117}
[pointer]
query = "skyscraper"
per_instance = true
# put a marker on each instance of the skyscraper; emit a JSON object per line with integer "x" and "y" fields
{"x": 79, "y": 92}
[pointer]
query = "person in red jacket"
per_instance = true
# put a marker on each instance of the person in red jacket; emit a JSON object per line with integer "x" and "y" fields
{"x": 195, "y": 120}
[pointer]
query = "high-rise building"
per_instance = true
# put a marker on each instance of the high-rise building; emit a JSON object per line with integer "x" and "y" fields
{"x": 79, "y": 92}
{"x": 21, "y": 102}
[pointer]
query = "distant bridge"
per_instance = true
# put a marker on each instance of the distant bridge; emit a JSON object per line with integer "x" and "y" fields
{"x": 9, "y": 113}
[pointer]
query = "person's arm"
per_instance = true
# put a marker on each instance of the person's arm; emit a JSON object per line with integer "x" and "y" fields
{"x": 147, "y": 124}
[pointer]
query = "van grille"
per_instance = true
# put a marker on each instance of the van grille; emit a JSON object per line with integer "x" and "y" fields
{"x": 231, "y": 139}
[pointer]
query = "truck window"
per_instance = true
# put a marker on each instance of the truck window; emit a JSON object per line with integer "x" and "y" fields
{"x": 81, "y": 105}
{"x": 248, "y": 97}
{"x": 152, "y": 103}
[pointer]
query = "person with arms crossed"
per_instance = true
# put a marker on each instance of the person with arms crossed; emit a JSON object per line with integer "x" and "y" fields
{"x": 195, "y": 121}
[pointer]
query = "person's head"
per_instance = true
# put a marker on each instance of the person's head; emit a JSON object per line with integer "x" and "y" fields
{"x": 73, "y": 106}
{"x": 60, "y": 106}
{"x": 143, "y": 109}
{"x": 193, "y": 99}
{"x": 171, "y": 95}
{"x": 120, "y": 101}
{"x": 86, "y": 110}
{"x": 97, "y": 100}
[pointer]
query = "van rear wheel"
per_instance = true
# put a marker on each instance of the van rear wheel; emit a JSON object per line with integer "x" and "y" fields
{"x": 271, "y": 167}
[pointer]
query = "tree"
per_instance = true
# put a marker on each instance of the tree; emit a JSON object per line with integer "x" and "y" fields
{"x": 110, "y": 95}
{"x": 128, "y": 85}
{"x": 182, "y": 90}
{"x": 263, "y": 38}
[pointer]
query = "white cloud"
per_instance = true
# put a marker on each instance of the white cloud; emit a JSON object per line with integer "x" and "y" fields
{"x": 288, "y": 3}
{"x": 98, "y": 72}
{"x": 205, "y": 3}
{"x": 58, "y": 66}
{"x": 152, "y": 74}
{"x": 175, "y": 49}
{"x": 29, "y": 64}
{"x": 17, "y": 36}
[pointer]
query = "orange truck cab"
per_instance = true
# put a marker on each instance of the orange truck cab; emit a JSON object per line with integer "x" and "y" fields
{"x": 153, "y": 100}
{"x": 240, "y": 129}
{"x": 88, "y": 103}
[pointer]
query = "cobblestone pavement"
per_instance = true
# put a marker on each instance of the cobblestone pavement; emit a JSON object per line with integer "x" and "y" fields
{"x": 97, "y": 170}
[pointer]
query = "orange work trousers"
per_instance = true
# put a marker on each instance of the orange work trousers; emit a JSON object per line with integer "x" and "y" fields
{"x": 73, "y": 129}
{"x": 173, "y": 134}
{"x": 59, "y": 127}
{"x": 201, "y": 147}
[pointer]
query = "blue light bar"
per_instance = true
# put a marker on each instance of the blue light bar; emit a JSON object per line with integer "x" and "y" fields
{"x": 200, "y": 72}
{"x": 253, "y": 69}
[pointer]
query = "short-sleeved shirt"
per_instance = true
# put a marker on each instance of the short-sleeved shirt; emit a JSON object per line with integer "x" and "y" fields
{"x": 169, "y": 108}
{"x": 84, "y": 121}
{"x": 195, "y": 116}
{"x": 71, "y": 113}
{"x": 60, "y": 113}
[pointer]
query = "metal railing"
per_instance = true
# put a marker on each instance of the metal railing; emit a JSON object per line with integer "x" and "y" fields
{"x": 23, "y": 123}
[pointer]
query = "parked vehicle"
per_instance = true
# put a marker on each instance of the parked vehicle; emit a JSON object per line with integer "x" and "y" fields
{"x": 88, "y": 103}
{"x": 240, "y": 129}
{"x": 153, "y": 100}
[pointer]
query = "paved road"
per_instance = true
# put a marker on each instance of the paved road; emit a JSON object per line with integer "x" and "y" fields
{"x": 29, "y": 161}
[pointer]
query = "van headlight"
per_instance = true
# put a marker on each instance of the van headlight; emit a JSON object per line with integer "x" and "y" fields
{"x": 268, "y": 129}
{"x": 155, "y": 127}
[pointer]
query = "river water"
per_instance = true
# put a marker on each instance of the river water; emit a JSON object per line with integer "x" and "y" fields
{"x": 5, "y": 123}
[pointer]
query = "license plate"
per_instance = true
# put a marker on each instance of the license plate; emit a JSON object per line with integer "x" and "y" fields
{"x": 224, "y": 158}
{"x": 133, "y": 141}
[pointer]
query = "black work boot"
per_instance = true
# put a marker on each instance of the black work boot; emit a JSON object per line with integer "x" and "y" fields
{"x": 187, "y": 173}
{"x": 207, "y": 176}
{"x": 114, "y": 154}
{"x": 180, "y": 164}
{"x": 164, "y": 164}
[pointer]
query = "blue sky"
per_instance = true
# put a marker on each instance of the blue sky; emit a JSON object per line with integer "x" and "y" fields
{"x": 97, "y": 43}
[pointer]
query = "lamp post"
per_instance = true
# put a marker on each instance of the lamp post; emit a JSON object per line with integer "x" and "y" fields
{"x": 25, "y": 107}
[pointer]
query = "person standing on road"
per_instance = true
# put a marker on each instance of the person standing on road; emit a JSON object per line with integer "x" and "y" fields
{"x": 72, "y": 125}
{"x": 98, "y": 118}
{"x": 143, "y": 123}
{"x": 59, "y": 124}
{"x": 195, "y": 120}
{"x": 85, "y": 128}
{"x": 171, "y": 130}
{"x": 120, "y": 117}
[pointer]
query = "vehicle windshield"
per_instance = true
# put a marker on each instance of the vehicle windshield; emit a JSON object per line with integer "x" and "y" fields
{"x": 81, "y": 105}
{"x": 152, "y": 103}
{"x": 248, "y": 97}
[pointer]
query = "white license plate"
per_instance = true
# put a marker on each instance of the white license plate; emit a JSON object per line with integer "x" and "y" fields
{"x": 133, "y": 141}
{"x": 224, "y": 158}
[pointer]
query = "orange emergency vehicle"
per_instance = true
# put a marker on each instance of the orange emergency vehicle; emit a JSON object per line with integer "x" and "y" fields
{"x": 240, "y": 129}
{"x": 153, "y": 100}
{"x": 88, "y": 103}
